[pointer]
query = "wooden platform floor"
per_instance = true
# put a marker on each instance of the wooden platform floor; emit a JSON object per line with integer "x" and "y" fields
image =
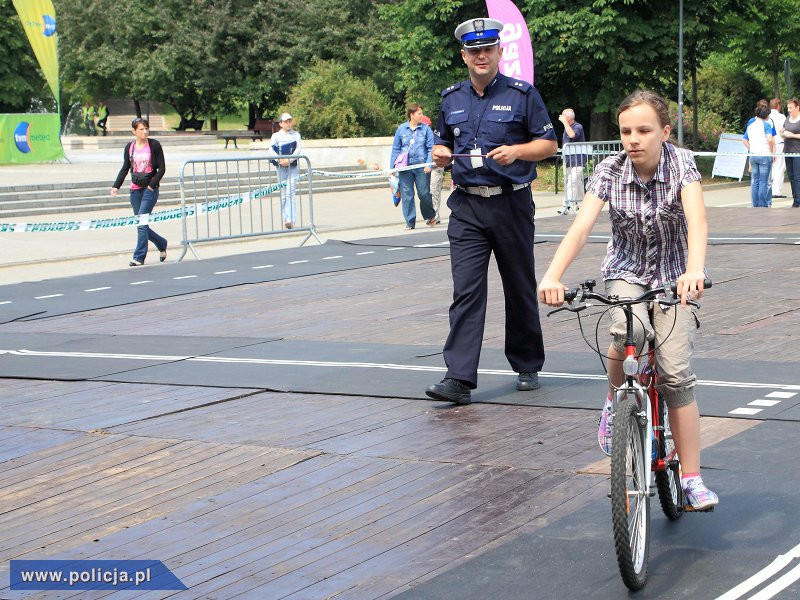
{"x": 254, "y": 494}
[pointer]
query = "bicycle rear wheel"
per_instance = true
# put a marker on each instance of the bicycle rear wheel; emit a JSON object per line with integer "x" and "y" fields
{"x": 630, "y": 498}
{"x": 668, "y": 481}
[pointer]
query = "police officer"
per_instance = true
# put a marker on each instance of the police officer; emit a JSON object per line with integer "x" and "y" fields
{"x": 494, "y": 129}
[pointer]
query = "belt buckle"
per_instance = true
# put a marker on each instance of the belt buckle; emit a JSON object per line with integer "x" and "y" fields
{"x": 483, "y": 190}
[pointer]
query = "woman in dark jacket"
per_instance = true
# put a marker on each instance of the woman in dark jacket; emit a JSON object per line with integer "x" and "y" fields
{"x": 144, "y": 158}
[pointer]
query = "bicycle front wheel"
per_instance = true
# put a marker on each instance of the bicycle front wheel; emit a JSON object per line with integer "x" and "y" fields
{"x": 630, "y": 497}
{"x": 668, "y": 481}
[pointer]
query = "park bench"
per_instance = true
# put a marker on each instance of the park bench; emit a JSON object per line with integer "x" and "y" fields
{"x": 261, "y": 128}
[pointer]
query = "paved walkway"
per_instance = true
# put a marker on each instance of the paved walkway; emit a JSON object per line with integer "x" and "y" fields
{"x": 338, "y": 215}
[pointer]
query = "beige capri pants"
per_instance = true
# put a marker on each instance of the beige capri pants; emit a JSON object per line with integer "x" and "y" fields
{"x": 676, "y": 380}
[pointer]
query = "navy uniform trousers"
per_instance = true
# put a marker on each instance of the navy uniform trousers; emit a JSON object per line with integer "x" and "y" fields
{"x": 478, "y": 226}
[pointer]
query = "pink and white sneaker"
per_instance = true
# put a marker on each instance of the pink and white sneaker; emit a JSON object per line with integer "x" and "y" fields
{"x": 604, "y": 427}
{"x": 698, "y": 496}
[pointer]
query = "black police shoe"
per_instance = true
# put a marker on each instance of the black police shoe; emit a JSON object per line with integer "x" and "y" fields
{"x": 527, "y": 382}
{"x": 450, "y": 390}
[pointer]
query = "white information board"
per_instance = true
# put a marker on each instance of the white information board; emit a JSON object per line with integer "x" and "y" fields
{"x": 734, "y": 163}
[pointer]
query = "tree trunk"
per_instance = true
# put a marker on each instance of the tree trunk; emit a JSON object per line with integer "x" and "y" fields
{"x": 251, "y": 115}
{"x": 695, "y": 104}
{"x": 599, "y": 126}
{"x": 137, "y": 108}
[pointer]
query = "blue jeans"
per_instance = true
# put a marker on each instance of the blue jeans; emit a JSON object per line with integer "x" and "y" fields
{"x": 793, "y": 171}
{"x": 760, "y": 188}
{"x": 143, "y": 201}
{"x": 408, "y": 179}
{"x": 288, "y": 203}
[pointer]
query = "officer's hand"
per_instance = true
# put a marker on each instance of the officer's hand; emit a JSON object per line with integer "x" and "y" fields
{"x": 442, "y": 156}
{"x": 504, "y": 155}
{"x": 551, "y": 292}
{"x": 427, "y": 170}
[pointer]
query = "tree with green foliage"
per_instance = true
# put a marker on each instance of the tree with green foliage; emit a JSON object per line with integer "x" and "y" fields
{"x": 764, "y": 34}
{"x": 330, "y": 102}
{"x": 21, "y": 79}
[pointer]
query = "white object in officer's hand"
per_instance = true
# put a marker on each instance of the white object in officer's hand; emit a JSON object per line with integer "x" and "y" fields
{"x": 476, "y": 158}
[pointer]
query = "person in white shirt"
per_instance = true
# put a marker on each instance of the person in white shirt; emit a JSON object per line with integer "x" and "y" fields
{"x": 758, "y": 139}
{"x": 779, "y": 164}
{"x": 286, "y": 142}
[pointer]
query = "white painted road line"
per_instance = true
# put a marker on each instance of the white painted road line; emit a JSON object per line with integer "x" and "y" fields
{"x": 224, "y": 272}
{"x": 363, "y": 253}
{"x": 141, "y": 282}
{"x": 6, "y": 302}
{"x": 745, "y": 411}
{"x": 50, "y": 296}
{"x": 331, "y": 257}
{"x": 100, "y": 289}
{"x": 262, "y": 267}
{"x": 185, "y": 277}
{"x": 369, "y": 365}
{"x": 763, "y": 403}
{"x": 781, "y": 395}
{"x": 771, "y": 590}
{"x": 297, "y": 262}
{"x": 393, "y": 249}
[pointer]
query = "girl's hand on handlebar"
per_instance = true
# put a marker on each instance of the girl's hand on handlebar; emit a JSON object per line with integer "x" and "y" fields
{"x": 690, "y": 286}
{"x": 551, "y": 292}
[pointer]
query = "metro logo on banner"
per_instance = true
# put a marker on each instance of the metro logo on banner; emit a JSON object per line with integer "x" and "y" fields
{"x": 515, "y": 40}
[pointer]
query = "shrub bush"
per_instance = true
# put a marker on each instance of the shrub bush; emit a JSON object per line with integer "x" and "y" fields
{"x": 329, "y": 102}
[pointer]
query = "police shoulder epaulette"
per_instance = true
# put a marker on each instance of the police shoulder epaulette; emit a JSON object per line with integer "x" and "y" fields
{"x": 452, "y": 88}
{"x": 518, "y": 84}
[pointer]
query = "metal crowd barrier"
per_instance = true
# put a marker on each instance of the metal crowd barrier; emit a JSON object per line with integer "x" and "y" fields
{"x": 230, "y": 198}
{"x": 585, "y": 154}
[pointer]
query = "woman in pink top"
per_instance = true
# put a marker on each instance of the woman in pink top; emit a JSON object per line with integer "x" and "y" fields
{"x": 144, "y": 158}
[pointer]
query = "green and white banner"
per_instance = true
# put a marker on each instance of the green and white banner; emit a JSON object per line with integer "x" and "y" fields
{"x": 30, "y": 138}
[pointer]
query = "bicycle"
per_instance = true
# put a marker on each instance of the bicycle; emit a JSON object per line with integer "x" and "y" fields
{"x": 641, "y": 429}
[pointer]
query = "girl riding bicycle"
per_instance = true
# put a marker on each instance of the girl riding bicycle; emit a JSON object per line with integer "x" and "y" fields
{"x": 658, "y": 235}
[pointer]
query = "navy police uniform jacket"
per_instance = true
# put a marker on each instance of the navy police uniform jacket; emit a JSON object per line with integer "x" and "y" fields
{"x": 511, "y": 111}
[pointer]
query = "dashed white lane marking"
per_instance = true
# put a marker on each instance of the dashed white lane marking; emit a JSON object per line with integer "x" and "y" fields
{"x": 48, "y": 296}
{"x": 224, "y": 272}
{"x": 363, "y": 253}
{"x": 331, "y": 257}
{"x": 745, "y": 411}
{"x": 763, "y": 403}
{"x": 393, "y": 249}
{"x": 6, "y": 302}
{"x": 141, "y": 282}
{"x": 297, "y": 262}
{"x": 100, "y": 289}
{"x": 185, "y": 277}
{"x": 780, "y": 562}
{"x": 781, "y": 394}
{"x": 262, "y": 267}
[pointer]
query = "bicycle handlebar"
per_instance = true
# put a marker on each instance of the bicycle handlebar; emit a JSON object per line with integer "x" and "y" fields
{"x": 585, "y": 292}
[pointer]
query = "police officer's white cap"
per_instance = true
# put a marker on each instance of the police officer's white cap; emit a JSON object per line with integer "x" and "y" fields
{"x": 479, "y": 33}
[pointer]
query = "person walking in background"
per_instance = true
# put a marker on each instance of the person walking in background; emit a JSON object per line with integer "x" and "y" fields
{"x": 102, "y": 116}
{"x": 437, "y": 178}
{"x": 758, "y": 139}
{"x": 413, "y": 142}
{"x": 502, "y": 125}
{"x": 144, "y": 158}
{"x": 573, "y": 162}
{"x": 791, "y": 136}
{"x": 779, "y": 164}
{"x": 89, "y": 114}
{"x": 286, "y": 142}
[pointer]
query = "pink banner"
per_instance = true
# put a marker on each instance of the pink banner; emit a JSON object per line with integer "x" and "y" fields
{"x": 514, "y": 39}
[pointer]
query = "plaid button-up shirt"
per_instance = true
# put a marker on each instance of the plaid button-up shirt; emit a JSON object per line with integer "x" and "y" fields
{"x": 648, "y": 228}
